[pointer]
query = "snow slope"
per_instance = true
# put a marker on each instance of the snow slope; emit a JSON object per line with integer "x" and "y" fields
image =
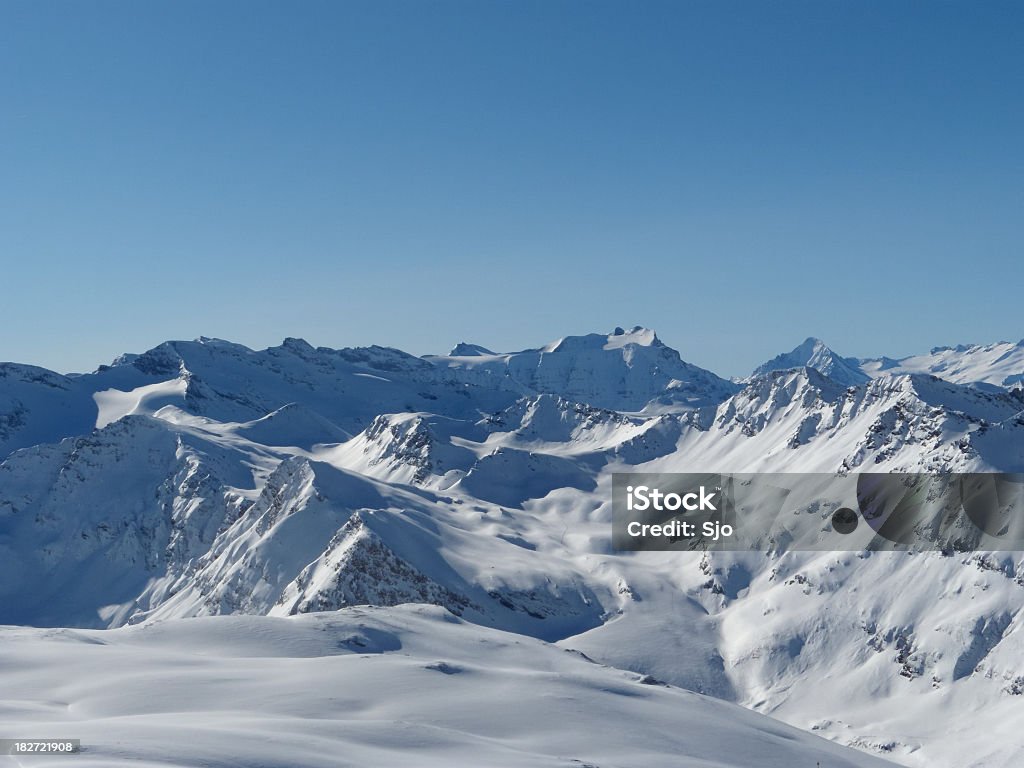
{"x": 411, "y": 685}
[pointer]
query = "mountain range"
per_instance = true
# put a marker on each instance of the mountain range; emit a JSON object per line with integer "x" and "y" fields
{"x": 204, "y": 478}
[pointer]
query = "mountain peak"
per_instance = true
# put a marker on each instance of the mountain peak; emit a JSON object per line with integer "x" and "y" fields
{"x": 815, "y": 354}
{"x": 644, "y": 337}
{"x": 213, "y": 341}
{"x": 622, "y": 371}
{"x": 297, "y": 345}
{"x": 465, "y": 349}
{"x": 811, "y": 343}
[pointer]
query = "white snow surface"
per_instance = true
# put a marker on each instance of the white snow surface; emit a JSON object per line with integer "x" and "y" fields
{"x": 409, "y": 685}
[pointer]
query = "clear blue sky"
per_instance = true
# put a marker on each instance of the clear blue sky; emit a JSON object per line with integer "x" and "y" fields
{"x": 736, "y": 175}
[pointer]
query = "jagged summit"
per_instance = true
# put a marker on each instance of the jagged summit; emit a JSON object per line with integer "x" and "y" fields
{"x": 814, "y": 353}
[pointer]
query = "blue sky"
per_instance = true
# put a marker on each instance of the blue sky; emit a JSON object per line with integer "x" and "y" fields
{"x": 736, "y": 175}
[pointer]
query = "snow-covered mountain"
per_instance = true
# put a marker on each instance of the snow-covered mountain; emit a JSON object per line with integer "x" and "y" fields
{"x": 40, "y": 406}
{"x": 625, "y": 370}
{"x": 813, "y": 353}
{"x": 985, "y": 365}
{"x": 204, "y": 479}
{"x": 992, "y": 367}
